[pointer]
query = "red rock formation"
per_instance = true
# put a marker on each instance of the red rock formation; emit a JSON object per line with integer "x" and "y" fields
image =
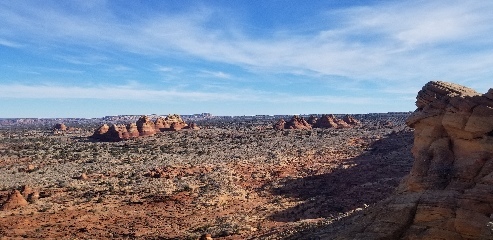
{"x": 113, "y": 133}
{"x": 177, "y": 126}
{"x": 341, "y": 124}
{"x": 145, "y": 126}
{"x": 101, "y": 130}
{"x": 60, "y": 127}
{"x": 279, "y": 125}
{"x": 297, "y": 122}
{"x": 14, "y": 200}
{"x": 326, "y": 121}
{"x": 449, "y": 192}
{"x": 312, "y": 120}
{"x": 132, "y": 130}
{"x": 350, "y": 120}
{"x": 161, "y": 124}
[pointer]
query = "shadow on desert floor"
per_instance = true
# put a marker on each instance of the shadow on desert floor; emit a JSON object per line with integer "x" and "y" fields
{"x": 370, "y": 178}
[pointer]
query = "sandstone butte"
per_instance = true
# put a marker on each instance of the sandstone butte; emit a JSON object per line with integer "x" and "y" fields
{"x": 143, "y": 127}
{"x": 326, "y": 121}
{"x": 449, "y": 192}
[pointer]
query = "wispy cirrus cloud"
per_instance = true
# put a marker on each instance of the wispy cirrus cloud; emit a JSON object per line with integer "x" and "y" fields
{"x": 7, "y": 43}
{"x": 383, "y": 41}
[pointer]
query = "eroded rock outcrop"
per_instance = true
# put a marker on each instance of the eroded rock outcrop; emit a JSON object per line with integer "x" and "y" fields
{"x": 172, "y": 122}
{"x": 297, "y": 122}
{"x": 326, "y": 121}
{"x": 279, "y": 125}
{"x": 113, "y": 133}
{"x": 350, "y": 120}
{"x": 14, "y": 200}
{"x": 449, "y": 192}
{"x": 143, "y": 127}
{"x": 60, "y": 127}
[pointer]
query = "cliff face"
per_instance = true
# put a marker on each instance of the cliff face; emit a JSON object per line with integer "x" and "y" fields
{"x": 453, "y": 166}
{"x": 449, "y": 192}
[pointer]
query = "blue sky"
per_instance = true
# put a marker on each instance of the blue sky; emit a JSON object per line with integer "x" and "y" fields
{"x": 96, "y": 58}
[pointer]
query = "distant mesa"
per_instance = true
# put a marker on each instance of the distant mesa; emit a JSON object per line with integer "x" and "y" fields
{"x": 326, "y": 121}
{"x": 144, "y": 127}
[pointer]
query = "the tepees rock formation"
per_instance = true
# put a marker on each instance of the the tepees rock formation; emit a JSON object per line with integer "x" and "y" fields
{"x": 143, "y": 127}
{"x": 449, "y": 191}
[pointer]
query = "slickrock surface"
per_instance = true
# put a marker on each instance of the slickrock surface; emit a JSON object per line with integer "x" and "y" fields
{"x": 448, "y": 193}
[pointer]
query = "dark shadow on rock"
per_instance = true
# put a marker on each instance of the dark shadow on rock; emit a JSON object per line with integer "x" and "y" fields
{"x": 372, "y": 177}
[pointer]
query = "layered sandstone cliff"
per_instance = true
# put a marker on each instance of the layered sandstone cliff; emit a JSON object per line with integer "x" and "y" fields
{"x": 449, "y": 192}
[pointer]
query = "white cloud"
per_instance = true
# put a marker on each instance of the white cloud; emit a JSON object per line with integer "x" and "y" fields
{"x": 216, "y": 74}
{"x": 7, "y": 43}
{"x": 393, "y": 41}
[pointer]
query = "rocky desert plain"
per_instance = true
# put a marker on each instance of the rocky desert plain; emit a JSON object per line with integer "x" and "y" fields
{"x": 426, "y": 174}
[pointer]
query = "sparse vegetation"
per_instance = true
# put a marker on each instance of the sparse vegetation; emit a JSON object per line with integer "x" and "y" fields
{"x": 228, "y": 179}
